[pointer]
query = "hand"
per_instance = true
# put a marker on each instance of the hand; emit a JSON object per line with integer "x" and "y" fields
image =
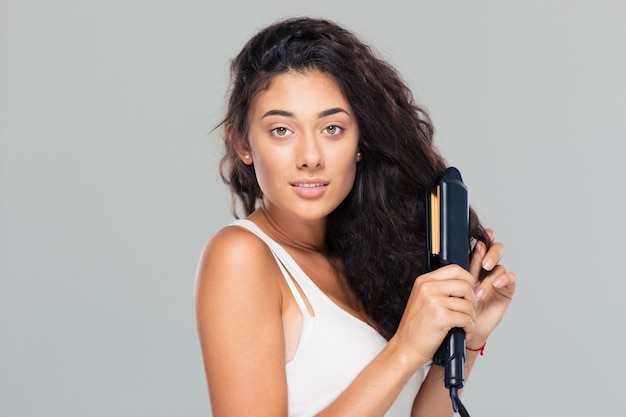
{"x": 440, "y": 300}
{"x": 494, "y": 293}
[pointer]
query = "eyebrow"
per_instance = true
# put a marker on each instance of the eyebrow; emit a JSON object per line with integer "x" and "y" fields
{"x": 324, "y": 113}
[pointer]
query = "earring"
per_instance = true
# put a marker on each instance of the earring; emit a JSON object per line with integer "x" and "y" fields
{"x": 246, "y": 156}
{"x": 358, "y": 156}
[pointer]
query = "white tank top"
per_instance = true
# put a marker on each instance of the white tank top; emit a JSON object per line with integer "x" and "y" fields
{"x": 334, "y": 345}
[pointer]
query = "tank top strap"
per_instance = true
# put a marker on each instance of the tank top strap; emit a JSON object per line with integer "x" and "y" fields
{"x": 286, "y": 263}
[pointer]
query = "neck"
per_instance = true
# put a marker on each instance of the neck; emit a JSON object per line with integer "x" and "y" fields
{"x": 302, "y": 234}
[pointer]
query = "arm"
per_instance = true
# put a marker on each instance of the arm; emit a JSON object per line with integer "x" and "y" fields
{"x": 238, "y": 311}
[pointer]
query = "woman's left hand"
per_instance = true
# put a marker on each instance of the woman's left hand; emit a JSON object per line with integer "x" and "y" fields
{"x": 494, "y": 293}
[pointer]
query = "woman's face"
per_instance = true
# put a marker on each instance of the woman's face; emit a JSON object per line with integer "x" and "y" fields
{"x": 303, "y": 142}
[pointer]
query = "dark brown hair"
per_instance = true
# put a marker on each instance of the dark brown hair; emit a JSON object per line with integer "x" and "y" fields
{"x": 378, "y": 231}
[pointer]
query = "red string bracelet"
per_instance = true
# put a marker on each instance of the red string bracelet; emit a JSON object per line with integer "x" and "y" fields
{"x": 480, "y": 349}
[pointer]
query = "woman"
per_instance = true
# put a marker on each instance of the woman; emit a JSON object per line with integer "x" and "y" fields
{"x": 320, "y": 302}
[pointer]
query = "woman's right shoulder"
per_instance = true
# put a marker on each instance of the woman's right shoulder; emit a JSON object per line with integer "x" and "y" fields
{"x": 233, "y": 243}
{"x": 234, "y": 256}
{"x": 233, "y": 236}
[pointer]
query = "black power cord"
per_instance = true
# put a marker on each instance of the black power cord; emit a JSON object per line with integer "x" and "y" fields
{"x": 457, "y": 405}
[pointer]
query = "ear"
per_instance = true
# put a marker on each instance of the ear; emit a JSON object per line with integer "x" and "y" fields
{"x": 240, "y": 145}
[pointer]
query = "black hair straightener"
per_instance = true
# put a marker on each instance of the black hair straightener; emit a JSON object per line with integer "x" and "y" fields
{"x": 448, "y": 243}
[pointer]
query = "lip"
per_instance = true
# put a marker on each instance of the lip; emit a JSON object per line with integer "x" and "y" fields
{"x": 309, "y": 187}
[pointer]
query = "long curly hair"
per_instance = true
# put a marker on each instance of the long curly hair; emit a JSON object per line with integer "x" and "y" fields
{"x": 379, "y": 230}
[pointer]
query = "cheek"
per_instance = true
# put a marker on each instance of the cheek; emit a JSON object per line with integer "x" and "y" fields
{"x": 267, "y": 174}
{"x": 346, "y": 163}
{"x": 262, "y": 175}
{"x": 348, "y": 173}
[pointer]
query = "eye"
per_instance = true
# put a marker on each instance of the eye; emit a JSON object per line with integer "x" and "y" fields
{"x": 333, "y": 130}
{"x": 280, "y": 132}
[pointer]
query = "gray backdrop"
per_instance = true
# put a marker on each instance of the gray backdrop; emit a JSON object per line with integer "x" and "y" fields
{"x": 109, "y": 189}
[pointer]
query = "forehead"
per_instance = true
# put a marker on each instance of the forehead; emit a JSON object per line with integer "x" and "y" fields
{"x": 299, "y": 93}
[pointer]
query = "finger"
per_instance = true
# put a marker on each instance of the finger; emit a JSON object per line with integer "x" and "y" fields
{"x": 463, "y": 320}
{"x": 476, "y": 261}
{"x": 493, "y": 256}
{"x": 451, "y": 271}
{"x": 453, "y": 312}
{"x": 457, "y": 288}
{"x": 507, "y": 281}
{"x": 460, "y": 305}
{"x": 500, "y": 280}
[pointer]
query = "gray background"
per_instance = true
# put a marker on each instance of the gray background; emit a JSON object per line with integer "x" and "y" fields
{"x": 109, "y": 189}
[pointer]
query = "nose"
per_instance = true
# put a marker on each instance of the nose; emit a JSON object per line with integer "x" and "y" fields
{"x": 310, "y": 154}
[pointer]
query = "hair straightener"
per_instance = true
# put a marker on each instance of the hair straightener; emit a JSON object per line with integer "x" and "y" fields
{"x": 448, "y": 243}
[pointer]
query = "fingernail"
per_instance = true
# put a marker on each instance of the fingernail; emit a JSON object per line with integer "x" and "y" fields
{"x": 487, "y": 264}
{"x": 480, "y": 293}
{"x": 497, "y": 283}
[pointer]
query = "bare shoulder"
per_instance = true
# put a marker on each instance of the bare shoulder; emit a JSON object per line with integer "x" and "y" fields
{"x": 236, "y": 240}
{"x": 235, "y": 247}
{"x": 236, "y": 259}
